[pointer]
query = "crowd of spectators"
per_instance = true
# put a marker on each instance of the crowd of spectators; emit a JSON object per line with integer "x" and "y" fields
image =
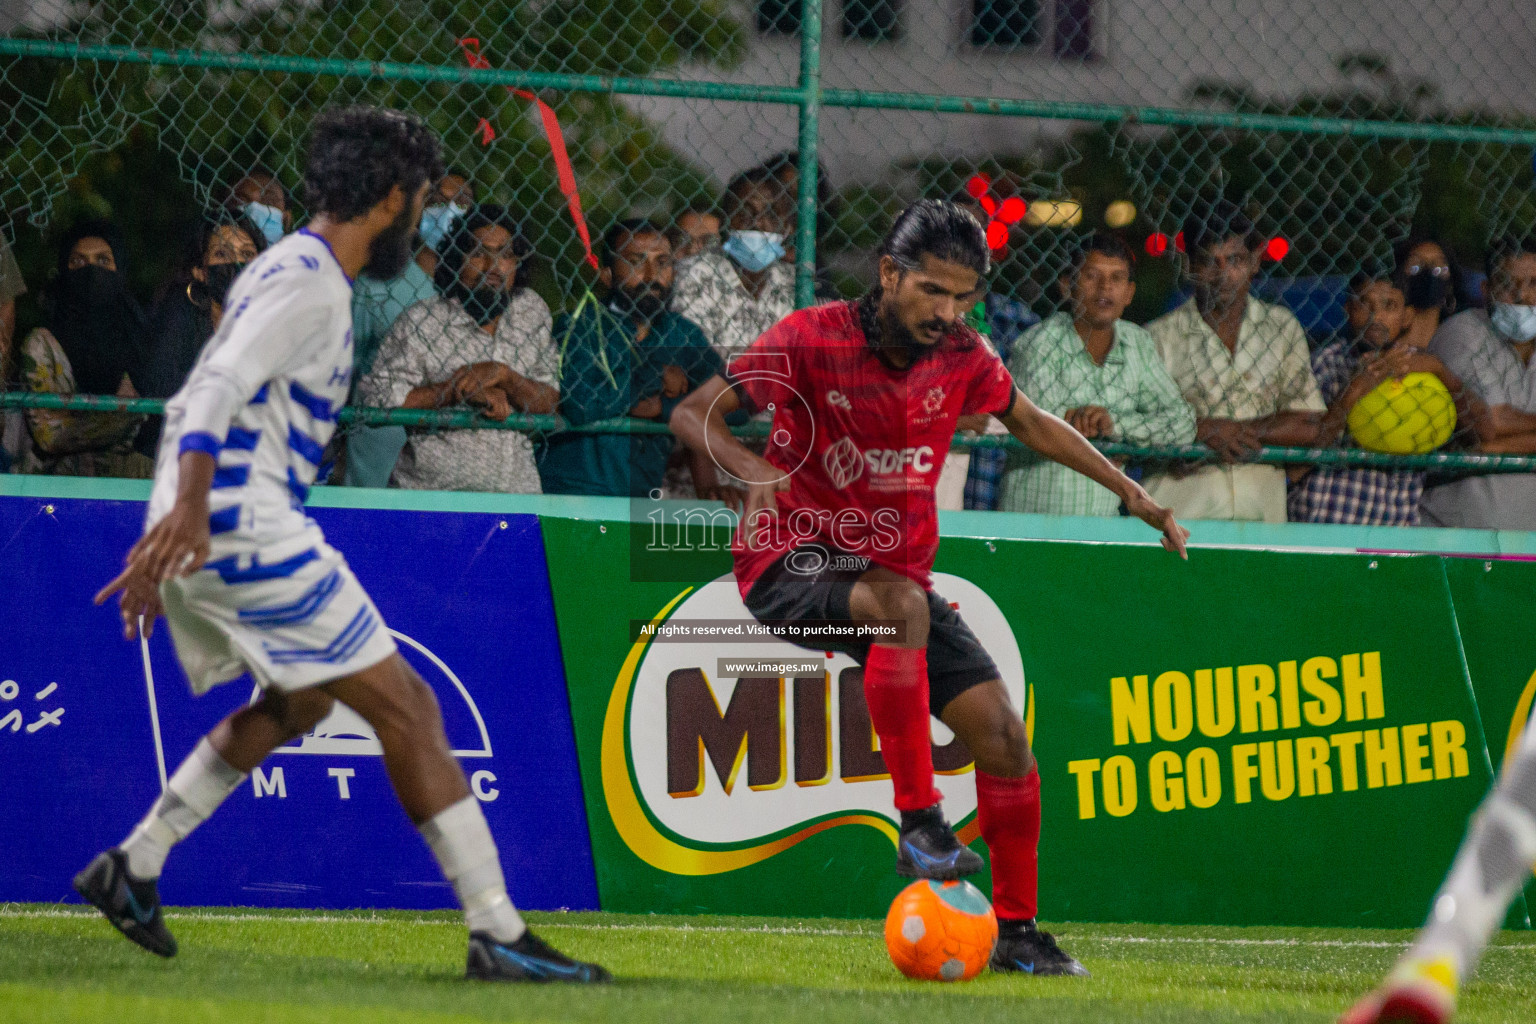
{"x": 676, "y": 301}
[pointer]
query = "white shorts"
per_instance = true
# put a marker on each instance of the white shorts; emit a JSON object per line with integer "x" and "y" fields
{"x": 294, "y": 618}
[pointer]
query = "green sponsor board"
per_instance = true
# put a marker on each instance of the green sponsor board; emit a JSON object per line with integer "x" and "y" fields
{"x": 642, "y": 866}
{"x": 1495, "y": 602}
{"x": 1250, "y": 737}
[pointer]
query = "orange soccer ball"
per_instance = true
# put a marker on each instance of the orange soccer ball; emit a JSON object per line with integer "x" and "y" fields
{"x": 940, "y": 931}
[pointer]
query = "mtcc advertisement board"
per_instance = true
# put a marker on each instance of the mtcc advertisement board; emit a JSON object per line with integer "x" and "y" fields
{"x": 90, "y": 724}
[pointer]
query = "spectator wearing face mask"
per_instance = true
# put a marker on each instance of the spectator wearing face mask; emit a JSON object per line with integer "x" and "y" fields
{"x": 446, "y": 206}
{"x": 264, "y": 202}
{"x": 484, "y": 342}
{"x": 785, "y": 168}
{"x": 1433, "y": 289}
{"x": 626, "y": 355}
{"x": 1490, "y": 350}
{"x": 376, "y": 305}
{"x": 737, "y": 292}
{"x": 191, "y": 307}
{"x": 92, "y": 343}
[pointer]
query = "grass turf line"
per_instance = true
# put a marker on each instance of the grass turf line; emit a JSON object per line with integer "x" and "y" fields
{"x": 61, "y": 964}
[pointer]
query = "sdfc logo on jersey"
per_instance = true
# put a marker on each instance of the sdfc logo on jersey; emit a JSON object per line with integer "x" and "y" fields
{"x": 933, "y": 401}
{"x": 843, "y": 462}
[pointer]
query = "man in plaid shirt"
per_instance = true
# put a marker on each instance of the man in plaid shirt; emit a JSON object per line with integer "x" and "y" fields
{"x": 1347, "y": 370}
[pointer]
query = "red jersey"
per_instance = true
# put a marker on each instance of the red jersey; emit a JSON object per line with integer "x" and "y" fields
{"x": 861, "y": 442}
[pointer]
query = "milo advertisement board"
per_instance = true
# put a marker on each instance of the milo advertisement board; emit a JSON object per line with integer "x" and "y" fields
{"x": 1249, "y": 737}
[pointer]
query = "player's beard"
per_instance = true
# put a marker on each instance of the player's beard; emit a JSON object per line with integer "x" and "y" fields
{"x": 391, "y": 250}
{"x": 896, "y": 335}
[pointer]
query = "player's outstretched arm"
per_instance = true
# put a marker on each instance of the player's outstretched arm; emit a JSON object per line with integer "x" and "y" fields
{"x": 1052, "y": 437}
{"x": 699, "y": 422}
{"x": 175, "y": 546}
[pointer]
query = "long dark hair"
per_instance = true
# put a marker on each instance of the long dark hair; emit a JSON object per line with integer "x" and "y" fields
{"x": 929, "y": 227}
{"x": 941, "y": 229}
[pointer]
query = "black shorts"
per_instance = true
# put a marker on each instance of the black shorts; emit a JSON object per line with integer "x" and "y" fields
{"x": 956, "y": 659}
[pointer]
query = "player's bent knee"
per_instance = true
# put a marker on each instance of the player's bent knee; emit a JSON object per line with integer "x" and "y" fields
{"x": 1001, "y": 747}
{"x": 303, "y": 710}
{"x": 902, "y": 602}
{"x": 294, "y": 714}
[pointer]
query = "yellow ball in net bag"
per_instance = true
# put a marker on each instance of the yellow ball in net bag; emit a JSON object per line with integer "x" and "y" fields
{"x": 1411, "y": 416}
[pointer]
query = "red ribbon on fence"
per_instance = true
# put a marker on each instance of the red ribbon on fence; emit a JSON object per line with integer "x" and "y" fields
{"x": 563, "y": 170}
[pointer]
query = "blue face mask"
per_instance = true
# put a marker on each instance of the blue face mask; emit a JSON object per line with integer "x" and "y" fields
{"x": 1517, "y": 323}
{"x": 753, "y": 251}
{"x": 437, "y": 221}
{"x": 267, "y": 219}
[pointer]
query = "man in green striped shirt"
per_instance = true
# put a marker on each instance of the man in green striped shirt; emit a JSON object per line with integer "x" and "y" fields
{"x": 1099, "y": 373}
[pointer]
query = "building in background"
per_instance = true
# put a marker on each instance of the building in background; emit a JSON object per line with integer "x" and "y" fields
{"x": 1474, "y": 53}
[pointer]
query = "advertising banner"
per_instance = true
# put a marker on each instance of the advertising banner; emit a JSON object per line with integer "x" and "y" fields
{"x": 1495, "y": 599}
{"x": 1250, "y": 737}
{"x": 90, "y": 724}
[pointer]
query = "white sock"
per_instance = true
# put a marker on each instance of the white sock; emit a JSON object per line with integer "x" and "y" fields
{"x": 461, "y": 841}
{"x": 194, "y": 792}
{"x": 1494, "y": 860}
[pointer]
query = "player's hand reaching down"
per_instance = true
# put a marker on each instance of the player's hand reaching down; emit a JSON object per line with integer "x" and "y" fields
{"x": 175, "y": 546}
{"x": 1175, "y": 536}
{"x": 763, "y": 486}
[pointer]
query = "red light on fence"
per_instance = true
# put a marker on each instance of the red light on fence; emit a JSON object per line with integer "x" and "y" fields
{"x": 1277, "y": 248}
{"x": 1178, "y": 241}
{"x": 976, "y": 186}
{"x": 1157, "y": 244}
{"x": 1012, "y": 211}
{"x": 997, "y": 235}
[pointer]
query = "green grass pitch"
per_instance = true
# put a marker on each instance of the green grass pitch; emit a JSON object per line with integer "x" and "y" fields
{"x": 62, "y": 964}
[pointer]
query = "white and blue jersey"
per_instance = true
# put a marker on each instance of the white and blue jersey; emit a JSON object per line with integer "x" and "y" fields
{"x": 264, "y": 394}
{"x": 273, "y": 598}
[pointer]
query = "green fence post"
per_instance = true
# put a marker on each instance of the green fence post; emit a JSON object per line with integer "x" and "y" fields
{"x": 810, "y": 139}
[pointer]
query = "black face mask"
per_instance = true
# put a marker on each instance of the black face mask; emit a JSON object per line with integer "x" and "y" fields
{"x": 221, "y": 278}
{"x": 1426, "y": 291}
{"x": 391, "y": 250}
{"x": 99, "y": 326}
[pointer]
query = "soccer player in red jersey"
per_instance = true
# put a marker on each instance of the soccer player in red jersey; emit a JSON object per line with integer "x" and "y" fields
{"x": 840, "y": 526}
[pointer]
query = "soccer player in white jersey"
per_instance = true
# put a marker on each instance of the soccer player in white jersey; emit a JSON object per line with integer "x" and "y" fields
{"x": 246, "y": 580}
{"x": 1494, "y": 861}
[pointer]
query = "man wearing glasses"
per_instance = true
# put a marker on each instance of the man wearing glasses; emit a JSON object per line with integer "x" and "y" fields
{"x": 483, "y": 342}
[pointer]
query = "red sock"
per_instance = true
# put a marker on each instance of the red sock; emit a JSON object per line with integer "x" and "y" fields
{"x": 896, "y": 689}
{"x": 1008, "y": 811}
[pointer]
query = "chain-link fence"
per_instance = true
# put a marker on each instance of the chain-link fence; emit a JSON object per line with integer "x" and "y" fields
{"x": 1367, "y": 156}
